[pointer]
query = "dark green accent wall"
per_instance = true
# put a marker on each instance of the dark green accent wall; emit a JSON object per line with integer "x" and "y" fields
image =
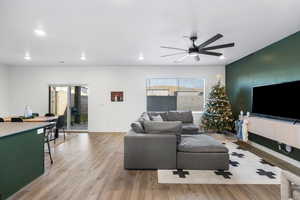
{"x": 279, "y": 62}
{"x": 21, "y": 161}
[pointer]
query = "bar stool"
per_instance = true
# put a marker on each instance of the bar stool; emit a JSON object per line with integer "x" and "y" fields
{"x": 48, "y": 133}
{"x": 61, "y": 124}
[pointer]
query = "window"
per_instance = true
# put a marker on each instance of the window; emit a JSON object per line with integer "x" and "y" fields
{"x": 164, "y": 94}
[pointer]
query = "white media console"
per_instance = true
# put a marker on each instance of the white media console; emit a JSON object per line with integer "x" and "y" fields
{"x": 277, "y": 130}
{"x": 282, "y": 131}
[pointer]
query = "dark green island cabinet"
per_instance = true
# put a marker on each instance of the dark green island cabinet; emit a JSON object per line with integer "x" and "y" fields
{"x": 21, "y": 155}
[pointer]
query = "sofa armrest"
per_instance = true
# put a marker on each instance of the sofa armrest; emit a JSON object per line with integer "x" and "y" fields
{"x": 149, "y": 151}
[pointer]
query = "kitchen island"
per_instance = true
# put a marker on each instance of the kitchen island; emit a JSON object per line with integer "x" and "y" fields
{"x": 21, "y": 155}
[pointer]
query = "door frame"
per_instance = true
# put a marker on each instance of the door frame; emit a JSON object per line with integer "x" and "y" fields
{"x": 68, "y": 99}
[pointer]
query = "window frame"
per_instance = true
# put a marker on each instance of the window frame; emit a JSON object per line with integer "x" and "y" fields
{"x": 177, "y": 84}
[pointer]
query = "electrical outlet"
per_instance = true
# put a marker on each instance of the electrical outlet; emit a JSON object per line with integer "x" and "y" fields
{"x": 40, "y": 131}
{"x": 285, "y": 148}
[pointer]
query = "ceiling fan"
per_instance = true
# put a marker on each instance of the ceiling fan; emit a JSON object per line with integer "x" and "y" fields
{"x": 195, "y": 50}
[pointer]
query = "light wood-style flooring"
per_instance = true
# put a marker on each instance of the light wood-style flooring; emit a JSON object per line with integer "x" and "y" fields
{"x": 90, "y": 166}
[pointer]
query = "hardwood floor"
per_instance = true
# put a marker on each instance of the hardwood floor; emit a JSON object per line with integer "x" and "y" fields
{"x": 90, "y": 166}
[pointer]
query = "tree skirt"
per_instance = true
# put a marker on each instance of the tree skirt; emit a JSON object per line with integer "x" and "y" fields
{"x": 245, "y": 168}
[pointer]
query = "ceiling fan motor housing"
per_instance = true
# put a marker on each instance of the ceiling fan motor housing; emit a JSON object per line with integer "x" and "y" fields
{"x": 193, "y": 50}
{"x": 193, "y": 38}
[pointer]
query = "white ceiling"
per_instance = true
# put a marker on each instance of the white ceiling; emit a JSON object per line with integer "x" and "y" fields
{"x": 115, "y": 32}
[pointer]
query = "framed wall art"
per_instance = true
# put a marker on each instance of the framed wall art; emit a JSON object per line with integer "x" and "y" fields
{"x": 117, "y": 96}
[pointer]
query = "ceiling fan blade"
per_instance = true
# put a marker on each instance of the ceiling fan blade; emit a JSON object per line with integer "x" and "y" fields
{"x": 173, "y": 54}
{"x": 182, "y": 58}
{"x": 210, "y": 53}
{"x": 197, "y": 58}
{"x": 173, "y": 48}
{"x": 219, "y": 46}
{"x": 211, "y": 40}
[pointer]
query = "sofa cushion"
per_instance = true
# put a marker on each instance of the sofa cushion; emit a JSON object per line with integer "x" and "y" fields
{"x": 187, "y": 117}
{"x": 183, "y": 116}
{"x": 200, "y": 144}
{"x": 188, "y": 128}
{"x": 137, "y": 127}
{"x": 173, "y": 116}
{"x": 155, "y": 127}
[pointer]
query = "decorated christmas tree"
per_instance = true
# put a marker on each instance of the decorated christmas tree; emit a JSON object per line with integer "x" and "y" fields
{"x": 218, "y": 115}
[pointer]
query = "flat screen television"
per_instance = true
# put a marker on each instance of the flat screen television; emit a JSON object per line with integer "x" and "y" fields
{"x": 278, "y": 101}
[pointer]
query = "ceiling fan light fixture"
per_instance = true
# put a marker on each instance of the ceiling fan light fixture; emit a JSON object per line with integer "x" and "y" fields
{"x": 27, "y": 56}
{"x": 193, "y": 54}
{"x": 83, "y": 57}
{"x": 40, "y": 32}
{"x": 222, "y": 57}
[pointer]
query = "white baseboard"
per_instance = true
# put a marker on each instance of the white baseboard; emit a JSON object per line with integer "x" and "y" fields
{"x": 276, "y": 154}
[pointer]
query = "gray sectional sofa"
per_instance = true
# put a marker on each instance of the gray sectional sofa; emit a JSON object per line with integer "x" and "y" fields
{"x": 170, "y": 140}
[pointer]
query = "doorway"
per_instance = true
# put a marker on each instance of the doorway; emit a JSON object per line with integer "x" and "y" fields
{"x": 70, "y": 101}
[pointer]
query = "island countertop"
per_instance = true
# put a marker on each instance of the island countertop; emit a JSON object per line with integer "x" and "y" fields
{"x": 11, "y": 128}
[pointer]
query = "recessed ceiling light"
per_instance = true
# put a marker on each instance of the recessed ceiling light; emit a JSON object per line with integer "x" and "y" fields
{"x": 222, "y": 57}
{"x": 27, "y": 56}
{"x": 83, "y": 56}
{"x": 40, "y": 32}
{"x": 141, "y": 56}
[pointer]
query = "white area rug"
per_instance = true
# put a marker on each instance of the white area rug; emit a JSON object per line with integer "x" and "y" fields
{"x": 245, "y": 168}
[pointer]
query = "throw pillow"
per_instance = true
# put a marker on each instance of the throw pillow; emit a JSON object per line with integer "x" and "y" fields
{"x": 145, "y": 116}
{"x": 162, "y": 114}
{"x": 137, "y": 127}
{"x": 157, "y": 118}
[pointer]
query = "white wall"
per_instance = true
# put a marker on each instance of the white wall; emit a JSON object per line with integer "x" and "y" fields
{"x": 29, "y": 86}
{"x": 3, "y": 91}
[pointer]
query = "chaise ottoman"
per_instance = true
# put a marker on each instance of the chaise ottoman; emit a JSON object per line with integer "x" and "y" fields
{"x": 201, "y": 152}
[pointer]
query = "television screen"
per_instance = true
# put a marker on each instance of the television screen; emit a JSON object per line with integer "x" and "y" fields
{"x": 279, "y": 100}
